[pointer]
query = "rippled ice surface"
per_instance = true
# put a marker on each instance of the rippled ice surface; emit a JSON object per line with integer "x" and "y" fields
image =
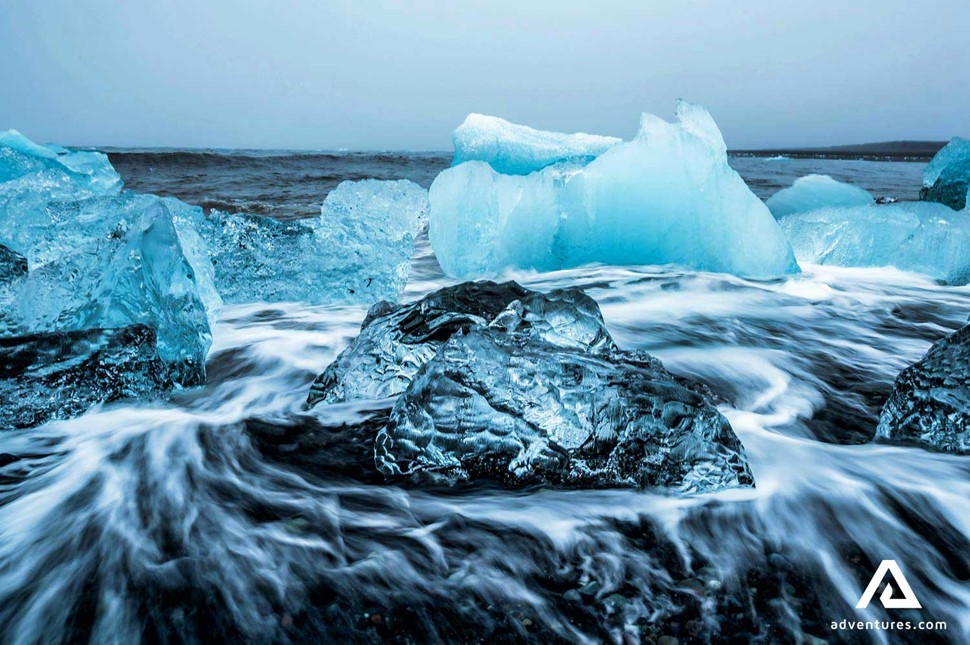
{"x": 231, "y": 514}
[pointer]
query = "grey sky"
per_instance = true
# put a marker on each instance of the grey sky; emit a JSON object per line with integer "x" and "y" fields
{"x": 396, "y": 75}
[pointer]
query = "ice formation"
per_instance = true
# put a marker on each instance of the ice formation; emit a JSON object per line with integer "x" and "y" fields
{"x": 358, "y": 250}
{"x": 515, "y": 149}
{"x": 56, "y": 375}
{"x": 667, "y": 196}
{"x": 135, "y": 272}
{"x": 930, "y": 403}
{"x": 922, "y": 237}
{"x": 495, "y": 381}
{"x": 816, "y": 191}
{"x": 12, "y": 264}
{"x": 99, "y": 258}
{"x": 947, "y": 177}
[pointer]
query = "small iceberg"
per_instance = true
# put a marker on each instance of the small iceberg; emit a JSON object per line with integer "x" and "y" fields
{"x": 912, "y": 236}
{"x": 947, "y": 177}
{"x": 816, "y": 191}
{"x": 514, "y": 149}
{"x": 357, "y": 251}
{"x": 666, "y": 197}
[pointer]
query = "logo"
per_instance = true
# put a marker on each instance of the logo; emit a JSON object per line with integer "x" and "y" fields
{"x": 908, "y": 600}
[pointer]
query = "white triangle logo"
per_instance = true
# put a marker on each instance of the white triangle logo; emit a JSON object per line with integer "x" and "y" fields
{"x": 908, "y": 601}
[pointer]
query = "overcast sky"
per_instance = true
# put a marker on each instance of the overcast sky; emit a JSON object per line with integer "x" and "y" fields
{"x": 315, "y": 74}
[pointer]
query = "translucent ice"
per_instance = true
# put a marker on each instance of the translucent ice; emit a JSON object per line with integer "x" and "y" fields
{"x": 113, "y": 262}
{"x": 668, "y": 196}
{"x": 930, "y": 403}
{"x": 496, "y": 381}
{"x": 911, "y": 236}
{"x": 12, "y": 264}
{"x": 358, "y": 250}
{"x": 816, "y": 191}
{"x": 57, "y": 375}
{"x": 947, "y": 177}
{"x": 22, "y": 159}
{"x": 517, "y": 149}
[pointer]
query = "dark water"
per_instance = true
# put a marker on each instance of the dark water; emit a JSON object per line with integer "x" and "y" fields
{"x": 288, "y": 185}
{"x": 230, "y": 514}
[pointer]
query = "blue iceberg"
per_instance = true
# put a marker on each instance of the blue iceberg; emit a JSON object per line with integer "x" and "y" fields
{"x": 667, "y": 196}
{"x": 816, "y": 191}
{"x": 514, "y": 149}
{"x": 12, "y": 264}
{"x": 947, "y": 177}
{"x": 916, "y": 236}
{"x": 358, "y": 250}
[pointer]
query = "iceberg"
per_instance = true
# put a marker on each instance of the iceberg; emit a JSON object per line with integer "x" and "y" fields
{"x": 358, "y": 250}
{"x": 493, "y": 381}
{"x": 916, "y": 236}
{"x": 947, "y": 177}
{"x": 111, "y": 263}
{"x": 514, "y": 149}
{"x": 666, "y": 197}
{"x": 930, "y": 402}
{"x": 52, "y": 167}
{"x": 57, "y": 375}
{"x": 816, "y": 191}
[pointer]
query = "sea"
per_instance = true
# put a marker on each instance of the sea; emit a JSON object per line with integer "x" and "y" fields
{"x": 230, "y": 514}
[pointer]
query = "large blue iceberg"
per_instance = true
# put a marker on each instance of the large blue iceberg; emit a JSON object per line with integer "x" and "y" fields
{"x": 816, "y": 191}
{"x": 667, "y": 196}
{"x": 357, "y": 251}
{"x": 911, "y": 236}
{"x": 515, "y": 149}
{"x": 947, "y": 177}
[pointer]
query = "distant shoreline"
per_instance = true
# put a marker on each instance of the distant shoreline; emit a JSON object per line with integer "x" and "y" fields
{"x": 883, "y": 151}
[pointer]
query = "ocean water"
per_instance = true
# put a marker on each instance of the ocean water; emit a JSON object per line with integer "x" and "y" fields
{"x": 231, "y": 514}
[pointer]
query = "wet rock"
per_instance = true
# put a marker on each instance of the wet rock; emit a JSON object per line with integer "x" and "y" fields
{"x": 497, "y": 382}
{"x": 930, "y": 403}
{"x": 58, "y": 375}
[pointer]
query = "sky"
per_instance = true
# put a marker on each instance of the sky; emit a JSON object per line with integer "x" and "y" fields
{"x": 370, "y": 75}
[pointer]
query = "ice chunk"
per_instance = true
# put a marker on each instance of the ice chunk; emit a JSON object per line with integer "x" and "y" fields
{"x": 61, "y": 374}
{"x": 495, "y": 381}
{"x": 668, "y": 196}
{"x": 930, "y": 403}
{"x": 816, "y": 191}
{"x": 134, "y": 271}
{"x": 358, "y": 250}
{"x": 20, "y": 157}
{"x": 396, "y": 341}
{"x": 515, "y": 149}
{"x": 921, "y": 237}
{"x": 947, "y": 177}
{"x": 12, "y": 264}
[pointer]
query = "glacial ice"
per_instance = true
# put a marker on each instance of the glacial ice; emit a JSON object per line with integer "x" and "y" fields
{"x": 911, "y": 236}
{"x": 667, "y": 196}
{"x": 111, "y": 262}
{"x": 358, "y": 250}
{"x": 816, "y": 191}
{"x": 514, "y": 149}
{"x": 48, "y": 166}
{"x": 947, "y": 177}
{"x": 57, "y": 375}
{"x": 496, "y": 381}
{"x": 930, "y": 403}
{"x": 12, "y": 264}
